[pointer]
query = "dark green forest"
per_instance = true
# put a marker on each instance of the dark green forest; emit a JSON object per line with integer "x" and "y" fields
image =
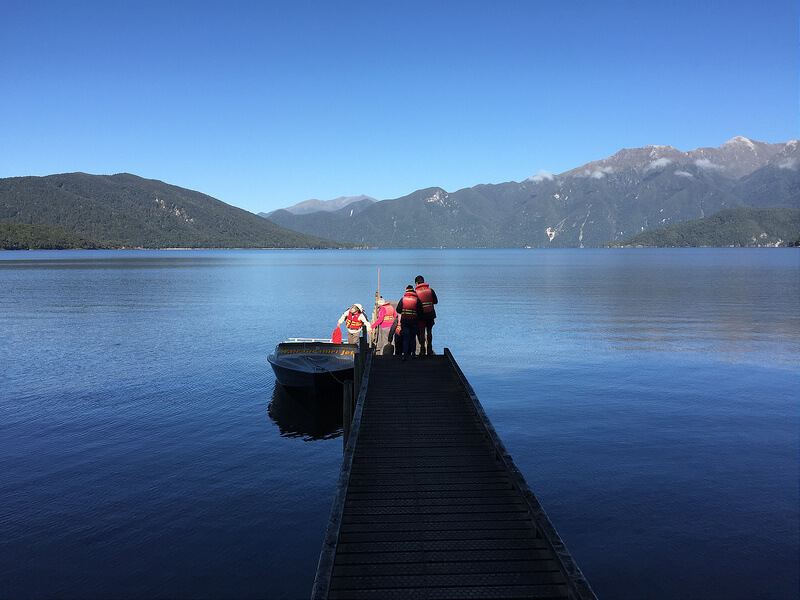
{"x": 126, "y": 210}
{"x": 745, "y": 227}
{"x": 18, "y": 236}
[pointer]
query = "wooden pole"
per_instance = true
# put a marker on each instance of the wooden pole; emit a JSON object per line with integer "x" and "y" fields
{"x": 347, "y": 411}
{"x": 361, "y": 357}
{"x": 375, "y": 309}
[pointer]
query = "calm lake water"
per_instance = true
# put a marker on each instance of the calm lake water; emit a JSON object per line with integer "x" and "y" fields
{"x": 650, "y": 398}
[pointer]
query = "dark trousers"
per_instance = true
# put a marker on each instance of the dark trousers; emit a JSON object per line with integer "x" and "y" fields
{"x": 409, "y": 337}
{"x": 425, "y": 336}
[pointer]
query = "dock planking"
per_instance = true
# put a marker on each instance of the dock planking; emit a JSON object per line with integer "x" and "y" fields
{"x": 429, "y": 504}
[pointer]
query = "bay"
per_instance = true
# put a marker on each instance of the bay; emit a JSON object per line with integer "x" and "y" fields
{"x": 650, "y": 398}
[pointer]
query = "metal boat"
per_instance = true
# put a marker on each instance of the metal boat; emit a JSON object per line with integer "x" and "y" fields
{"x": 313, "y": 366}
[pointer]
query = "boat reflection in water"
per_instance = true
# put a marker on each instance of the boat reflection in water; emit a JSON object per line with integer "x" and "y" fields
{"x": 306, "y": 416}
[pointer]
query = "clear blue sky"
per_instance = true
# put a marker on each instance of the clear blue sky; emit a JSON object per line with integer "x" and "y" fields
{"x": 266, "y": 104}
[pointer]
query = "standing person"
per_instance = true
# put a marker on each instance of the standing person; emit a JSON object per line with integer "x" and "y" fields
{"x": 410, "y": 309}
{"x": 396, "y": 334}
{"x": 384, "y": 320}
{"x": 353, "y": 318}
{"x": 428, "y": 298}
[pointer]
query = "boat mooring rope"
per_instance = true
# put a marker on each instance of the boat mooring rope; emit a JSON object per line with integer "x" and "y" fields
{"x": 321, "y": 368}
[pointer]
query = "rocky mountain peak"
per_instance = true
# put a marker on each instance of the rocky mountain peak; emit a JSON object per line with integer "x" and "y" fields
{"x": 639, "y": 159}
{"x": 740, "y": 140}
{"x": 735, "y": 158}
{"x": 788, "y": 157}
{"x": 314, "y": 205}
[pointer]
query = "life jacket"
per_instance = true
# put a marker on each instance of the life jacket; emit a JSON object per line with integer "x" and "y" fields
{"x": 389, "y": 315}
{"x": 409, "y": 305}
{"x": 426, "y": 295}
{"x": 352, "y": 321}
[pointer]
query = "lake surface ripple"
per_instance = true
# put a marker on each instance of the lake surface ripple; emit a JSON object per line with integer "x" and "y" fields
{"x": 650, "y": 398}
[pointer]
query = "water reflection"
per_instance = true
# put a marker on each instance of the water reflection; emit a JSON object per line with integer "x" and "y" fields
{"x": 305, "y": 416}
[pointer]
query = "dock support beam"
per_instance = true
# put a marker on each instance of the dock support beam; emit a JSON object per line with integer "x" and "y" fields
{"x": 347, "y": 411}
{"x": 352, "y": 389}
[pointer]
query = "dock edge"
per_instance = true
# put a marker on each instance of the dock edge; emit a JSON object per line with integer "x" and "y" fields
{"x": 579, "y": 588}
{"x": 322, "y": 580}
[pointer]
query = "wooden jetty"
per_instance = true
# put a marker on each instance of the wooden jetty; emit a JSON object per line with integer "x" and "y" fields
{"x": 429, "y": 504}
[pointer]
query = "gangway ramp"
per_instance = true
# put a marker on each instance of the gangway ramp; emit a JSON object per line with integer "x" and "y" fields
{"x": 429, "y": 504}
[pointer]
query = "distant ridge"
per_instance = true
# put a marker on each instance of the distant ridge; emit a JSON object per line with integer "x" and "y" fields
{"x": 735, "y": 158}
{"x": 310, "y": 206}
{"x": 611, "y": 199}
{"x": 126, "y": 210}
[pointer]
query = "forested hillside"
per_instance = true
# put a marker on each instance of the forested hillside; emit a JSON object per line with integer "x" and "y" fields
{"x": 131, "y": 211}
{"x": 739, "y": 227}
{"x": 17, "y": 236}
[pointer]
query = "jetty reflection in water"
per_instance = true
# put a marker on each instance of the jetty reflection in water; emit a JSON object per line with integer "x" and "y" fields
{"x": 304, "y": 415}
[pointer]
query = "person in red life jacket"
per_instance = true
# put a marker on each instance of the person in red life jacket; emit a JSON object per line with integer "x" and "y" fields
{"x": 353, "y": 318}
{"x": 410, "y": 310}
{"x": 383, "y": 323}
{"x": 428, "y": 298}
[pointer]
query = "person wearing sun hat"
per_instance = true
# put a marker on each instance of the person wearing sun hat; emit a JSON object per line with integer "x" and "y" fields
{"x": 383, "y": 323}
{"x": 353, "y": 318}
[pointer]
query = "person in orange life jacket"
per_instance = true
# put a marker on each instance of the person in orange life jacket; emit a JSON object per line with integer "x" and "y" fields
{"x": 410, "y": 310}
{"x": 383, "y": 322}
{"x": 428, "y": 298}
{"x": 353, "y": 318}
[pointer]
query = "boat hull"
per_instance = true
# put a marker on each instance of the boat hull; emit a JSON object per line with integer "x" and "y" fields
{"x": 313, "y": 368}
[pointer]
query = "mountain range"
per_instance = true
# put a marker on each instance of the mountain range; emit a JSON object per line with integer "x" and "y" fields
{"x": 124, "y": 210}
{"x": 603, "y": 201}
{"x": 356, "y": 203}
